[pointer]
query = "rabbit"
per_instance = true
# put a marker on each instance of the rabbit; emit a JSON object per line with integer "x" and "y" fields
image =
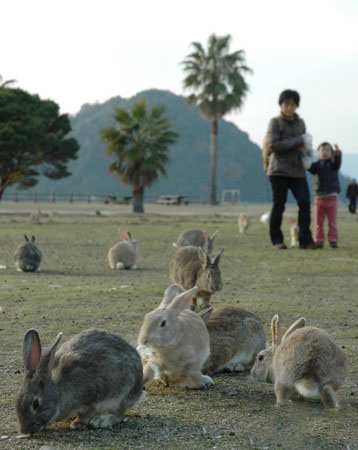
{"x": 94, "y": 372}
{"x": 123, "y": 255}
{"x": 294, "y": 230}
{"x": 236, "y": 336}
{"x": 35, "y": 216}
{"x": 27, "y": 256}
{"x": 243, "y": 222}
{"x": 174, "y": 342}
{"x": 192, "y": 266}
{"x": 196, "y": 238}
{"x": 265, "y": 217}
{"x": 306, "y": 359}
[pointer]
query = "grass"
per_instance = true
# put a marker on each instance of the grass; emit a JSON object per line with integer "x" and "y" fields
{"x": 76, "y": 289}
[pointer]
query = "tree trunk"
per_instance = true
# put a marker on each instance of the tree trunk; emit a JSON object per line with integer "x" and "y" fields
{"x": 138, "y": 194}
{"x": 213, "y": 161}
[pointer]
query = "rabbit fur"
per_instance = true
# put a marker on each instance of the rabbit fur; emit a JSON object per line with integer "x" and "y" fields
{"x": 27, "y": 256}
{"x": 236, "y": 336}
{"x": 94, "y": 372}
{"x": 243, "y": 222}
{"x": 174, "y": 342}
{"x": 294, "y": 230}
{"x": 196, "y": 238}
{"x": 306, "y": 359}
{"x": 123, "y": 255}
{"x": 192, "y": 266}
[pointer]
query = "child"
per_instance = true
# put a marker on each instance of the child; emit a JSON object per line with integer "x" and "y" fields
{"x": 326, "y": 188}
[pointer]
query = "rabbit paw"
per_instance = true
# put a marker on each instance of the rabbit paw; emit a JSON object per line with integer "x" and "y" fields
{"x": 104, "y": 421}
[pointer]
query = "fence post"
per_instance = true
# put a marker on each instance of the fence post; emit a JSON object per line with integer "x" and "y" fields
{"x": 15, "y": 196}
{"x": 53, "y": 197}
{"x": 35, "y": 197}
{"x": 71, "y": 197}
{"x": 89, "y": 198}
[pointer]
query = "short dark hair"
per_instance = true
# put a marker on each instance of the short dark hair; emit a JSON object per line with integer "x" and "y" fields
{"x": 289, "y": 94}
{"x": 324, "y": 144}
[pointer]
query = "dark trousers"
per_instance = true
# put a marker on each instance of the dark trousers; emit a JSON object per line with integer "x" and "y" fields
{"x": 299, "y": 189}
{"x": 352, "y": 207}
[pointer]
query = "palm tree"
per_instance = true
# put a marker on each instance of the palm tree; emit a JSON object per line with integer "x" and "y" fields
{"x": 4, "y": 84}
{"x": 140, "y": 143}
{"x": 216, "y": 78}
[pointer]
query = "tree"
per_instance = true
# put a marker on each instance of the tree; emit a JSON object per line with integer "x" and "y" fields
{"x": 216, "y": 78}
{"x": 32, "y": 136}
{"x": 4, "y": 84}
{"x": 140, "y": 143}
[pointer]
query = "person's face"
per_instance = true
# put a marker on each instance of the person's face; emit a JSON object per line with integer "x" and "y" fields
{"x": 326, "y": 152}
{"x": 288, "y": 108}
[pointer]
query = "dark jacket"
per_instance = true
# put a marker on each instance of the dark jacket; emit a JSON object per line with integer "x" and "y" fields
{"x": 287, "y": 145}
{"x": 352, "y": 190}
{"x": 326, "y": 175}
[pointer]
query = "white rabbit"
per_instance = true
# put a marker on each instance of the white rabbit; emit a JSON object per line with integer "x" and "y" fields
{"x": 94, "y": 372}
{"x": 27, "y": 256}
{"x": 305, "y": 359}
{"x": 236, "y": 336}
{"x": 265, "y": 218}
{"x": 123, "y": 255}
{"x": 196, "y": 238}
{"x": 174, "y": 342}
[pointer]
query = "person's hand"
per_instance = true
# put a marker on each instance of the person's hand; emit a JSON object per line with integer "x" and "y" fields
{"x": 337, "y": 150}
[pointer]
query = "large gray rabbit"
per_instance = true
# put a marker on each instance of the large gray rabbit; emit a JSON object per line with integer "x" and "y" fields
{"x": 27, "y": 256}
{"x": 306, "y": 359}
{"x": 94, "y": 372}
{"x": 174, "y": 342}
{"x": 192, "y": 266}
{"x": 236, "y": 337}
{"x": 197, "y": 238}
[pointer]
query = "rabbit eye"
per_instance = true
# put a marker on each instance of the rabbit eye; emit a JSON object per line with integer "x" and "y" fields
{"x": 35, "y": 404}
{"x": 261, "y": 357}
{"x": 208, "y": 275}
{"x": 163, "y": 323}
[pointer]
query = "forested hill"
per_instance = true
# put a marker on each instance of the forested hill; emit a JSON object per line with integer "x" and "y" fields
{"x": 239, "y": 159}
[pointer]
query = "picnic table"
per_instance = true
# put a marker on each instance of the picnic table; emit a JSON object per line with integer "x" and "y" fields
{"x": 173, "y": 200}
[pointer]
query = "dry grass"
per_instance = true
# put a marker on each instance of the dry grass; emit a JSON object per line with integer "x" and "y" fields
{"x": 76, "y": 289}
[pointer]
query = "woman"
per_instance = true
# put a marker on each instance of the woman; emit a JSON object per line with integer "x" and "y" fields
{"x": 287, "y": 139}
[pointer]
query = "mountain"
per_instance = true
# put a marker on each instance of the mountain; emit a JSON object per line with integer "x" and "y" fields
{"x": 239, "y": 159}
{"x": 350, "y": 165}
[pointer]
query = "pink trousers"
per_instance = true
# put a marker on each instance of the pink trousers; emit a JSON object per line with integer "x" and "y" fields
{"x": 326, "y": 206}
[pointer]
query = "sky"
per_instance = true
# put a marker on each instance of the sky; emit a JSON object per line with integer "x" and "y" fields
{"x": 85, "y": 51}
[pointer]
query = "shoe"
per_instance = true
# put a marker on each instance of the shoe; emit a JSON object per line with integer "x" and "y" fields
{"x": 319, "y": 244}
{"x": 311, "y": 246}
{"x": 333, "y": 244}
{"x": 280, "y": 246}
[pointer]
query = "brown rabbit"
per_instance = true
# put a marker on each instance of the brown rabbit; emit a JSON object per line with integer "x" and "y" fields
{"x": 192, "y": 266}
{"x": 236, "y": 336}
{"x": 305, "y": 359}
{"x": 243, "y": 222}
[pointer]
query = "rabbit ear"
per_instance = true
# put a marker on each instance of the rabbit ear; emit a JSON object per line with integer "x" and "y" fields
{"x": 124, "y": 235}
{"x": 26, "y": 238}
{"x": 217, "y": 258}
{"x": 213, "y": 236}
{"x": 205, "y": 314}
{"x": 32, "y": 239}
{"x": 300, "y": 323}
{"x": 170, "y": 293}
{"x": 275, "y": 329}
{"x": 182, "y": 300}
{"x": 31, "y": 350}
{"x": 48, "y": 354}
{"x": 129, "y": 235}
{"x": 204, "y": 257}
